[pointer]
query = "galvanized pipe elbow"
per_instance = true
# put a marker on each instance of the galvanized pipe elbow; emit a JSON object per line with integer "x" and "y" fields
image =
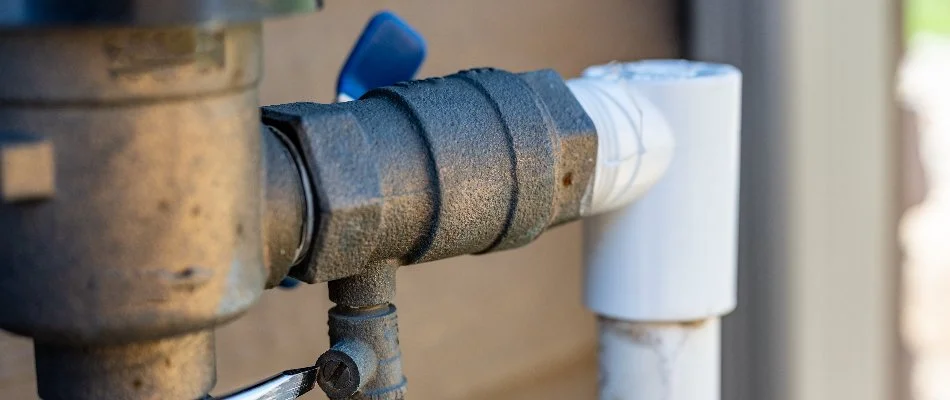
{"x": 479, "y": 161}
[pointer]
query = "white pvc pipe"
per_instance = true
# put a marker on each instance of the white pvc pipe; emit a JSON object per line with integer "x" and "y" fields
{"x": 666, "y": 264}
{"x": 651, "y": 360}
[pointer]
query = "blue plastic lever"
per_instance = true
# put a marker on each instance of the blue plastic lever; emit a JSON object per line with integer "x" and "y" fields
{"x": 388, "y": 51}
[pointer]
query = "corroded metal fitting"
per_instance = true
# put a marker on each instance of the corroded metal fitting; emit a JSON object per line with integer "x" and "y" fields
{"x": 364, "y": 361}
{"x": 479, "y": 161}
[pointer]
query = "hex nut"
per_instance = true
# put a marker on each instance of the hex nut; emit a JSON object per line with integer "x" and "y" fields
{"x": 346, "y": 187}
{"x": 27, "y": 168}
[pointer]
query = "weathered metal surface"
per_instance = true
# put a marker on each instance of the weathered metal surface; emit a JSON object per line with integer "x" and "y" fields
{"x": 374, "y": 286}
{"x": 154, "y": 231}
{"x": 346, "y": 368}
{"x": 364, "y": 355}
{"x": 48, "y": 13}
{"x": 180, "y": 367}
{"x": 575, "y": 148}
{"x": 475, "y": 162}
{"x": 364, "y": 360}
{"x": 128, "y": 68}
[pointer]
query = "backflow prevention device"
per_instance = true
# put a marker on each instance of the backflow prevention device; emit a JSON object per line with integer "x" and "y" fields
{"x": 146, "y": 199}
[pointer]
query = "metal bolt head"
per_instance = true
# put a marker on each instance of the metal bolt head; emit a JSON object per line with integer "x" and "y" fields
{"x": 27, "y": 168}
{"x": 339, "y": 375}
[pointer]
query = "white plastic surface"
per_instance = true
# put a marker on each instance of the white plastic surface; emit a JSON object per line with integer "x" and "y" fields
{"x": 671, "y": 255}
{"x": 634, "y": 142}
{"x": 657, "y": 361}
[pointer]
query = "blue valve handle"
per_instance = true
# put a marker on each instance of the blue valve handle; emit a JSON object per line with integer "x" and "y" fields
{"x": 288, "y": 283}
{"x": 388, "y": 51}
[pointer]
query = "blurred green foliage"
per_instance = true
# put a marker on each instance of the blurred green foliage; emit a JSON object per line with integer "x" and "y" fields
{"x": 927, "y": 16}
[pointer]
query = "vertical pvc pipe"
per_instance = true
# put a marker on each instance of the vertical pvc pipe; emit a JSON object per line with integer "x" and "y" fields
{"x": 661, "y": 271}
{"x": 659, "y": 360}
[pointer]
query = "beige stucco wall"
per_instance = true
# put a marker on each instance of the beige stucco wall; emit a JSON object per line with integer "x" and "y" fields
{"x": 503, "y": 326}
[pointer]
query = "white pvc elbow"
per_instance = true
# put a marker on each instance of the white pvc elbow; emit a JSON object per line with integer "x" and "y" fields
{"x": 668, "y": 134}
{"x": 634, "y": 142}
